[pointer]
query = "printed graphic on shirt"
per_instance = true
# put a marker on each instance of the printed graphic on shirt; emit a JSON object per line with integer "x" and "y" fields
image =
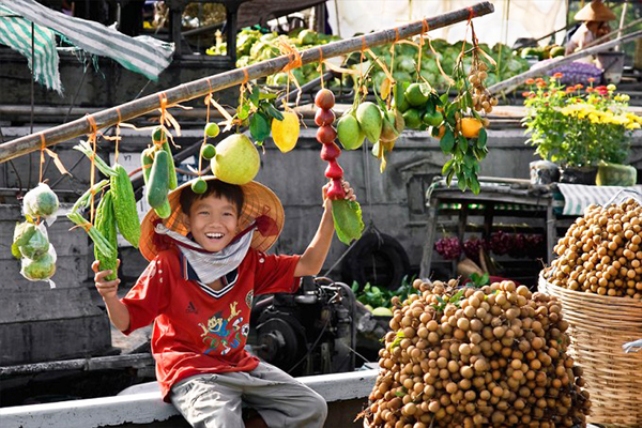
{"x": 222, "y": 334}
{"x": 249, "y": 297}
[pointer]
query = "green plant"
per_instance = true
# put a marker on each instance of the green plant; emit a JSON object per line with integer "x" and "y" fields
{"x": 576, "y": 126}
{"x": 381, "y": 297}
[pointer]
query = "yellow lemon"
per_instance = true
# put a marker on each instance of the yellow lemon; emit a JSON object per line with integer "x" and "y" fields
{"x": 237, "y": 160}
{"x": 285, "y": 133}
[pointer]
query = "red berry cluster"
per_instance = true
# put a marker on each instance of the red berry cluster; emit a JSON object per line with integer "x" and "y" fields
{"x": 326, "y": 134}
{"x": 448, "y": 248}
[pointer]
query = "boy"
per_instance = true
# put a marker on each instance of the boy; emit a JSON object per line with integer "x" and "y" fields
{"x": 206, "y": 265}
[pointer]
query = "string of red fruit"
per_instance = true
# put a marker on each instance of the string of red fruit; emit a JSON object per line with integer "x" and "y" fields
{"x": 326, "y": 134}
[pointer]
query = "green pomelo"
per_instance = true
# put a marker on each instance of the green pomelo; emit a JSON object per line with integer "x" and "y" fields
{"x": 237, "y": 160}
{"x": 370, "y": 120}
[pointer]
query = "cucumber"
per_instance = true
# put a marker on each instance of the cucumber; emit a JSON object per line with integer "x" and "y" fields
{"x": 158, "y": 185}
{"x": 173, "y": 180}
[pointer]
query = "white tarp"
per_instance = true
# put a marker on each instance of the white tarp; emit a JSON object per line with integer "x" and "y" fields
{"x": 511, "y": 20}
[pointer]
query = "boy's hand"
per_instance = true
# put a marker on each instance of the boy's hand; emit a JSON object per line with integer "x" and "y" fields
{"x": 349, "y": 191}
{"x": 107, "y": 289}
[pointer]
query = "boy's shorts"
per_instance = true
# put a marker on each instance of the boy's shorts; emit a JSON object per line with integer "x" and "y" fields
{"x": 216, "y": 400}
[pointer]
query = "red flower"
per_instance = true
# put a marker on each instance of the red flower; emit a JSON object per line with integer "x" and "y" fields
{"x": 591, "y": 79}
{"x": 558, "y": 75}
{"x": 530, "y": 81}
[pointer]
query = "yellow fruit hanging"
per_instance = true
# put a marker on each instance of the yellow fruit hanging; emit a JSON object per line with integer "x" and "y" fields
{"x": 470, "y": 127}
{"x": 285, "y": 133}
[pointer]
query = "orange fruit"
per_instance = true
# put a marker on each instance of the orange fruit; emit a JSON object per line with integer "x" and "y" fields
{"x": 470, "y": 127}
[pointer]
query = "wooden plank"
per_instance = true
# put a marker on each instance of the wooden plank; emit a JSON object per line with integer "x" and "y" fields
{"x": 147, "y": 407}
{"x": 201, "y": 87}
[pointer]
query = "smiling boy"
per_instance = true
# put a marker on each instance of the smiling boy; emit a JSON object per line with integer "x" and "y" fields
{"x": 207, "y": 262}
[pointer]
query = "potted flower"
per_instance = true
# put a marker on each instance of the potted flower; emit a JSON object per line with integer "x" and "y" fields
{"x": 578, "y": 128}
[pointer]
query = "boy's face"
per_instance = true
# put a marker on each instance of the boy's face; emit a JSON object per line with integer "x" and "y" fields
{"x": 213, "y": 222}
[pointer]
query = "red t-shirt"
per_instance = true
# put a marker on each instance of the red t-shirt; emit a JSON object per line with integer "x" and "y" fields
{"x": 196, "y": 329}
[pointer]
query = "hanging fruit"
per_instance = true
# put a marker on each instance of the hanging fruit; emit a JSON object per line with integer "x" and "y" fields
{"x": 346, "y": 214}
{"x": 285, "y": 133}
{"x": 237, "y": 160}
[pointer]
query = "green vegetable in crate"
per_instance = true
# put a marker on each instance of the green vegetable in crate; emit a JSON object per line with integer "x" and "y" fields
{"x": 105, "y": 224}
{"x": 158, "y": 186}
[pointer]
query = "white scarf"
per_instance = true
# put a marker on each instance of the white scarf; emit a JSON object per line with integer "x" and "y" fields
{"x": 209, "y": 266}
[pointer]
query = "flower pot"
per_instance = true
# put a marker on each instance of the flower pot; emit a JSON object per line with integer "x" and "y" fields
{"x": 610, "y": 174}
{"x": 578, "y": 175}
{"x": 544, "y": 172}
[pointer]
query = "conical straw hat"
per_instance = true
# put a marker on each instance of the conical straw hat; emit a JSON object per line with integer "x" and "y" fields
{"x": 259, "y": 200}
{"x": 595, "y": 11}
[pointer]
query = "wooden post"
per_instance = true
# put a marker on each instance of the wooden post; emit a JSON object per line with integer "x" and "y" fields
{"x": 201, "y": 87}
{"x": 515, "y": 81}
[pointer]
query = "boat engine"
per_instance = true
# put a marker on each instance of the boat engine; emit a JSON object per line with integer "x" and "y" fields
{"x": 309, "y": 332}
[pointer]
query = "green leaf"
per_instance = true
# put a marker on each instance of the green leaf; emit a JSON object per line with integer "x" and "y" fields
{"x": 243, "y": 111}
{"x": 447, "y": 142}
{"x": 255, "y": 95}
{"x": 482, "y": 138}
{"x": 271, "y": 111}
{"x": 447, "y": 166}
{"x": 348, "y": 220}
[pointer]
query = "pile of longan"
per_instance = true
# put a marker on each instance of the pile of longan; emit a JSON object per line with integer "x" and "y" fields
{"x": 602, "y": 252}
{"x": 472, "y": 357}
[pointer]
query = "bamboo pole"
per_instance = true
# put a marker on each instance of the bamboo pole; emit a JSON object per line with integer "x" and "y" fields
{"x": 510, "y": 84}
{"x": 201, "y": 87}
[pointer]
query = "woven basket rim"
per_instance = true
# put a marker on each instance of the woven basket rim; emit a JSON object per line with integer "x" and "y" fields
{"x": 592, "y": 297}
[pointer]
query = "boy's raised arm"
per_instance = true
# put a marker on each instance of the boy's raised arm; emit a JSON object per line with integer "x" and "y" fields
{"x": 117, "y": 311}
{"x": 314, "y": 256}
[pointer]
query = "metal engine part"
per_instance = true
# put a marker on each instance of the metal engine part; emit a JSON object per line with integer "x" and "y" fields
{"x": 309, "y": 332}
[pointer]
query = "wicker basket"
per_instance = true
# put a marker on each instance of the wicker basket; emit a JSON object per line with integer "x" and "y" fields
{"x": 598, "y": 327}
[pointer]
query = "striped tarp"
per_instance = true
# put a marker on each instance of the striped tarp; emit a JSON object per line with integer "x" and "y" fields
{"x": 15, "y": 32}
{"x": 95, "y": 38}
{"x": 579, "y": 196}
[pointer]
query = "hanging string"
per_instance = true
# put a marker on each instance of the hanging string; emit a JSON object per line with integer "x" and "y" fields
{"x": 92, "y": 174}
{"x": 320, "y": 68}
{"x": 208, "y": 102}
{"x": 43, "y": 147}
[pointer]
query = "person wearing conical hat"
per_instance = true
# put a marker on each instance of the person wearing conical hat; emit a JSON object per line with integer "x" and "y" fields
{"x": 595, "y": 18}
{"x": 207, "y": 263}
